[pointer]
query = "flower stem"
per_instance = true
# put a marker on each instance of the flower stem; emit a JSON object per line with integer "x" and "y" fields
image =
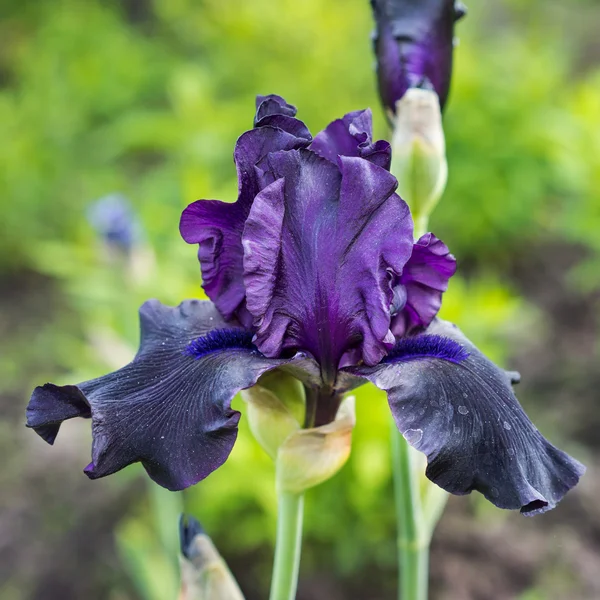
{"x": 413, "y": 537}
{"x": 290, "y": 509}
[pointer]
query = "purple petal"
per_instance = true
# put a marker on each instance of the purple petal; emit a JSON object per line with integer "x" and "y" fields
{"x": 217, "y": 226}
{"x": 217, "y": 229}
{"x": 274, "y": 111}
{"x": 272, "y": 104}
{"x": 413, "y": 44}
{"x": 418, "y": 295}
{"x": 352, "y": 136}
{"x": 167, "y": 409}
{"x": 457, "y": 407}
{"x": 320, "y": 248}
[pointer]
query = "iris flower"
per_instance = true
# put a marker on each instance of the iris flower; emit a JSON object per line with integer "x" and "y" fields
{"x": 413, "y": 43}
{"x": 314, "y": 272}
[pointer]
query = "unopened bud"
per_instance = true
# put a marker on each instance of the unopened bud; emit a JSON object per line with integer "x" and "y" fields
{"x": 309, "y": 457}
{"x": 419, "y": 152}
{"x": 204, "y": 573}
{"x": 276, "y": 408}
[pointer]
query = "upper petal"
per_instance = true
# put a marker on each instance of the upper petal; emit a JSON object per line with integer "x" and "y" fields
{"x": 170, "y": 408}
{"x": 422, "y": 284}
{"x": 352, "y": 136}
{"x": 320, "y": 245}
{"x": 217, "y": 226}
{"x": 453, "y": 404}
{"x": 413, "y": 44}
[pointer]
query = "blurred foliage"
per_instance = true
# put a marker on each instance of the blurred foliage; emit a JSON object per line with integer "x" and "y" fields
{"x": 147, "y": 98}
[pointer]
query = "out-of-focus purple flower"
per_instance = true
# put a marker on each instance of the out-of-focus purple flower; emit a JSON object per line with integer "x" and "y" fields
{"x": 313, "y": 272}
{"x": 414, "y": 43}
{"x": 115, "y": 222}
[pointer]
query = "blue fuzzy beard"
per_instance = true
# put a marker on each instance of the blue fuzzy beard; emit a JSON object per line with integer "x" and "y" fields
{"x": 427, "y": 346}
{"x": 220, "y": 339}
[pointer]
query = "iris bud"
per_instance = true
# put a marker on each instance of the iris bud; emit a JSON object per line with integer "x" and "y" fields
{"x": 419, "y": 152}
{"x": 204, "y": 573}
{"x": 276, "y": 408}
{"x": 309, "y": 457}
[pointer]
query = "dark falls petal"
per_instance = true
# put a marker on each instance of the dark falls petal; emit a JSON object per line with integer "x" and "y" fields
{"x": 217, "y": 226}
{"x": 352, "y": 136}
{"x": 50, "y": 405}
{"x": 170, "y": 408}
{"x": 319, "y": 246}
{"x": 413, "y": 43}
{"x": 422, "y": 284}
{"x": 461, "y": 412}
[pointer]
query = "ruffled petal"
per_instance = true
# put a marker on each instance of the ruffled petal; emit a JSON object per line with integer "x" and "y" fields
{"x": 321, "y": 244}
{"x": 170, "y": 408}
{"x": 413, "y": 44}
{"x": 274, "y": 111}
{"x": 457, "y": 407}
{"x": 352, "y": 136}
{"x": 217, "y": 229}
{"x": 418, "y": 295}
{"x": 270, "y": 105}
{"x": 217, "y": 226}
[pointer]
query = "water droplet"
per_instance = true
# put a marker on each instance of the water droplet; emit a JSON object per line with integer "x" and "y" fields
{"x": 456, "y": 429}
{"x": 162, "y": 437}
{"x": 463, "y": 410}
{"x": 413, "y": 436}
{"x": 510, "y": 451}
{"x": 507, "y": 426}
{"x": 465, "y": 395}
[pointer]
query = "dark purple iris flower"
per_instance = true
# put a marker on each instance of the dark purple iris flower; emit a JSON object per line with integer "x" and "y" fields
{"x": 413, "y": 43}
{"x": 313, "y": 271}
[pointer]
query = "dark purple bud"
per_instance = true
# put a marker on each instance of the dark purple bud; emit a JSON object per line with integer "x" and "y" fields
{"x": 413, "y": 42}
{"x": 189, "y": 529}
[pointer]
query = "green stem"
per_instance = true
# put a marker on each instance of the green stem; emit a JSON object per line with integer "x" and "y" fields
{"x": 290, "y": 511}
{"x": 413, "y": 537}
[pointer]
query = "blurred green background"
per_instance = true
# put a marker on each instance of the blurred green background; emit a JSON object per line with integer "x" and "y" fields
{"x": 146, "y": 98}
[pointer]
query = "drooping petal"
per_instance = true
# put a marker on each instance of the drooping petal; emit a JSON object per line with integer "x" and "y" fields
{"x": 457, "y": 407}
{"x": 217, "y": 226}
{"x": 320, "y": 245}
{"x": 422, "y": 284}
{"x": 170, "y": 408}
{"x": 413, "y": 44}
{"x": 352, "y": 136}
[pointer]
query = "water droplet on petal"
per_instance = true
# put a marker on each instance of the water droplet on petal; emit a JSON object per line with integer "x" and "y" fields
{"x": 463, "y": 410}
{"x": 507, "y": 426}
{"x": 413, "y": 436}
{"x": 510, "y": 451}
